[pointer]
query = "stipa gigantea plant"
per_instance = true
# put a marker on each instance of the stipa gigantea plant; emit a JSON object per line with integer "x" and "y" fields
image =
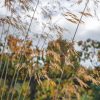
{"x": 72, "y": 82}
{"x": 56, "y": 63}
{"x": 67, "y": 80}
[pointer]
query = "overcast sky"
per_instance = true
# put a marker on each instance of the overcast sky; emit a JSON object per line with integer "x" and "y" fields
{"x": 56, "y": 9}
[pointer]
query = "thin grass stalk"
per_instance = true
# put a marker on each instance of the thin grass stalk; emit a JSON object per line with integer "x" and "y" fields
{"x": 24, "y": 41}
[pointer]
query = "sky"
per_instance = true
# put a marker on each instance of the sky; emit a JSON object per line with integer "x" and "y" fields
{"x": 56, "y": 9}
{"x": 50, "y": 13}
